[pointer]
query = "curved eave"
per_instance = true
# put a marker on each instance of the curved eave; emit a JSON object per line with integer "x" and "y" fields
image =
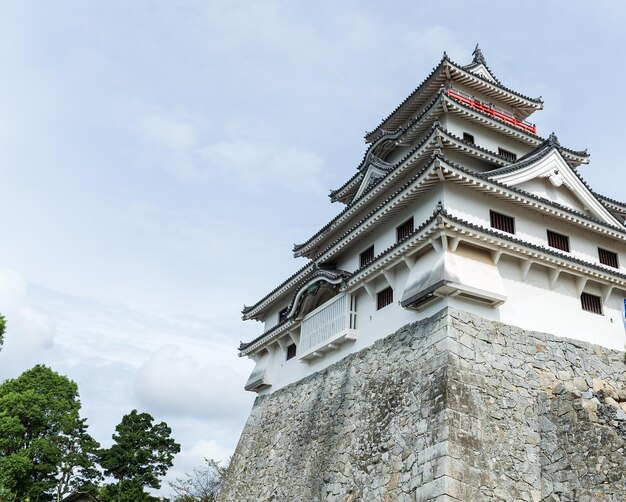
{"x": 347, "y": 190}
{"x": 410, "y": 104}
{"x": 330, "y": 277}
{"x": 446, "y": 70}
{"x": 257, "y": 310}
{"x": 611, "y": 204}
{"x": 265, "y": 338}
{"x": 425, "y": 148}
{"x": 413, "y": 156}
{"x": 523, "y": 105}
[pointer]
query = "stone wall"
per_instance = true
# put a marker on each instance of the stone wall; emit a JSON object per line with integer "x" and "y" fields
{"x": 455, "y": 407}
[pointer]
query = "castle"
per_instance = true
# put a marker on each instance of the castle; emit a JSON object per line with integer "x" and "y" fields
{"x": 457, "y": 202}
{"x": 457, "y": 333}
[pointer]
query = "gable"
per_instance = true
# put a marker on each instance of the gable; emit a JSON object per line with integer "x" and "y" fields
{"x": 543, "y": 187}
{"x": 550, "y": 177}
{"x": 482, "y": 71}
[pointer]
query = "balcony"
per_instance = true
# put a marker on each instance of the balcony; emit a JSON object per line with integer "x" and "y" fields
{"x": 327, "y": 327}
{"x": 492, "y": 111}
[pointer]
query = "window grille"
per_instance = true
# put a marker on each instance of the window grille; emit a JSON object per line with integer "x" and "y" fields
{"x": 291, "y": 351}
{"x": 367, "y": 256}
{"x": 558, "y": 241}
{"x": 608, "y": 258}
{"x": 591, "y": 303}
{"x": 404, "y": 230}
{"x": 384, "y": 298}
{"x": 468, "y": 138}
{"x": 505, "y": 154}
{"x": 502, "y": 222}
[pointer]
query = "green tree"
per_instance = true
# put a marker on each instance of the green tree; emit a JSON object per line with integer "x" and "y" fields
{"x": 3, "y": 325}
{"x": 141, "y": 454}
{"x": 45, "y": 450}
{"x": 202, "y": 484}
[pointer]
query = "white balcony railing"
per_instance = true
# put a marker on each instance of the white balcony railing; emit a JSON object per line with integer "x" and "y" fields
{"x": 328, "y": 326}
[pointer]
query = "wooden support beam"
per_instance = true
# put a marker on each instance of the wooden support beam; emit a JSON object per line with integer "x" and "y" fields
{"x": 409, "y": 261}
{"x": 444, "y": 241}
{"x": 370, "y": 290}
{"x": 553, "y": 276}
{"x": 495, "y": 255}
{"x": 282, "y": 342}
{"x": 455, "y": 243}
{"x": 525, "y": 265}
{"x": 389, "y": 277}
{"x": 581, "y": 282}
{"x": 436, "y": 244}
{"x": 607, "y": 289}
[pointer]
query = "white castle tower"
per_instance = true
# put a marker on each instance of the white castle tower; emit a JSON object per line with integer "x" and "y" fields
{"x": 458, "y": 202}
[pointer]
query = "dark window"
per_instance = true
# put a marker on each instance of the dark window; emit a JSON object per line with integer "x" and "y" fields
{"x": 608, "y": 258}
{"x": 282, "y": 315}
{"x": 468, "y": 138}
{"x": 507, "y": 155}
{"x": 404, "y": 230}
{"x": 591, "y": 303}
{"x": 384, "y": 298}
{"x": 291, "y": 351}
{"x": 367, "y": 256}
{"x": 502, "y": 222}
{"x": 558, "y": 241}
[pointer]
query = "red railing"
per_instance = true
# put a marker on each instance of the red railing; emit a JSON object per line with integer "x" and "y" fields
{"x": 492, "y": 111}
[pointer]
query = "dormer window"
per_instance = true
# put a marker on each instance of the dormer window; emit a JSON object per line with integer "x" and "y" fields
{"x": 366, "y": 256}
{"x": 608, "y": 258}
{"x": 505, "y": 154}
{"x": 558, "y": 241}
{"x": 502, "y": 222}
{"x": 468, "y": 138}
{"x": 404, "y": 230}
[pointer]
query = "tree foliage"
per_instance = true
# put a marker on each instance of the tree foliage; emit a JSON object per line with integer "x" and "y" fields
{"x": 45, "y": 450}
{"x": 3, "y": 326}
{"x": 202, "y": 484}
{"x": 141, "y": 454}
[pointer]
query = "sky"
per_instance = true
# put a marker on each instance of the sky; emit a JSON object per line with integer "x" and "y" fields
{"x": 158, "y": 160}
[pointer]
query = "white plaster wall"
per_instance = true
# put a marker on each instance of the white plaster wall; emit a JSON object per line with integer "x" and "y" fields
{"x": 486, "y": 137}
{"x": 530, "y": 225}
{"x": 530, "y": 304}
{"x": 384, "y": 235}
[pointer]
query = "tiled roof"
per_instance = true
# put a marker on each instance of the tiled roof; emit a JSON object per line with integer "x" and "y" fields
{"x": 297, "y": 247}
{"x": 332, "y": 275}
{"x": 310, "y": 265}
{"x": 536, "y": 247}
{"x": 445, "y": 60}
{"x": 479, "y": 59}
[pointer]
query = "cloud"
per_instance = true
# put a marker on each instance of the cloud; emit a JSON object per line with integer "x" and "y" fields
{"x": 176, "y": 134}
{"x": 176, "y": 139}
{"x": 30, "y": 332}
{"x": 174, "y": 383}
{"x": 257, "y": 164}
